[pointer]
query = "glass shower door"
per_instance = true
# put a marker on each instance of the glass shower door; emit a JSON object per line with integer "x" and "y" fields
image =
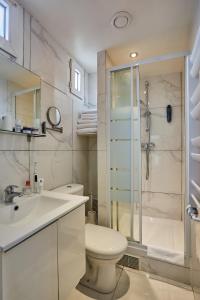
{"x": 124, "y": 153}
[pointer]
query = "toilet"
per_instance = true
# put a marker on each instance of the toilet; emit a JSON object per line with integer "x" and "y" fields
{"x": 104, "y": 248}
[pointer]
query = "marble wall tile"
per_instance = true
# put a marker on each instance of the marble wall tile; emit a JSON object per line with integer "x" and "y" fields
{"x": 102, "y": 123}
{"x": 27, "y": 40}
{"x": 162, "y": 205}
{"x": 165, "y": 136}
{"x": 48, "y": 59}
{"x": 92, "y": 165}
{"x": 92, "y": 143}
{"x": 163, "y": 90}
{"x": 80, "y": 169}
{"x": 103, "y": 204}
{"x": 165, "y": 172}
{"x": 17, "y": 34}
{"x": 92, "y": 89}
{"x": 54, "y": 166}
{"x": 13, "y": 142}
{"x": 14, "y": 168}
{"x": 55, "y": 140}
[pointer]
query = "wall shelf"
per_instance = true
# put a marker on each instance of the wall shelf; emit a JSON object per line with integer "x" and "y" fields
{"x": 28, "y": 135}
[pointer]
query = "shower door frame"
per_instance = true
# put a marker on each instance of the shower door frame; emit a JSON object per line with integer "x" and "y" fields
{"x": 136, "y": 247}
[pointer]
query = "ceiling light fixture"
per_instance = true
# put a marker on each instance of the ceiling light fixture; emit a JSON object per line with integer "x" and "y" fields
{"x": 133, "y": 54}
{"x": 121, "y": 19}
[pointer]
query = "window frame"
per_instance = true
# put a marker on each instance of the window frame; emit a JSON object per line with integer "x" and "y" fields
{"x": 77, "y": 79}
{"x": 5, "y": 6}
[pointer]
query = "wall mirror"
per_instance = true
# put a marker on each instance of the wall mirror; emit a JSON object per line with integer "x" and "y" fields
{"x": 53, "y": 116}
{"x": 20, "y": 92}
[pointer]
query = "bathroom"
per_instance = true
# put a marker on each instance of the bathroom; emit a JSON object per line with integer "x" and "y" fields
{"x": 99, "y": 124}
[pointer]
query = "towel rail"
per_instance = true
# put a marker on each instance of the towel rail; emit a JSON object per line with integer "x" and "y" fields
{"x": 196, "y": 201}
{"x": 196, "y": 186}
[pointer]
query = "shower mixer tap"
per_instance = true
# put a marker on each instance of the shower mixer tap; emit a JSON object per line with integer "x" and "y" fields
{"x": 147, "y": 147}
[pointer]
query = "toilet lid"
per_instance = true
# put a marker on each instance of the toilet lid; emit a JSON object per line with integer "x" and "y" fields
{"x": 104, "y": 241}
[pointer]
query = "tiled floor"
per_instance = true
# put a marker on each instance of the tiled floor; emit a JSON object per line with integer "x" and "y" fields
{"x": 136, "y": 285}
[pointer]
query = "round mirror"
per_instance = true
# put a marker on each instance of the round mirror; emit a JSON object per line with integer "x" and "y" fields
{"x": 53, "y": 116}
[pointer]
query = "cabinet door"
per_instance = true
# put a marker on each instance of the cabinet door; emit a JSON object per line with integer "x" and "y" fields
{"x": 30, "y": 269}
{"x": 71, "y": 250}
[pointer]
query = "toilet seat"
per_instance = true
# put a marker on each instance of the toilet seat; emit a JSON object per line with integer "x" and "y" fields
{"x": 103, "y": 242}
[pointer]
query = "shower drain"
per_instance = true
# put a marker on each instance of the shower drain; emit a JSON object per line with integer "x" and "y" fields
{"x": 130, "y": 262}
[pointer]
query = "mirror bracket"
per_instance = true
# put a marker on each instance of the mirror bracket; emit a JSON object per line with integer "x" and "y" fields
{"x": 53, "y": 128}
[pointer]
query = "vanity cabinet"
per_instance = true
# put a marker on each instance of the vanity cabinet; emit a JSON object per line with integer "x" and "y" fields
{"x": 49, "y": 264}
{"x": 71, "y": 251}
{"x": 29, "y": 270}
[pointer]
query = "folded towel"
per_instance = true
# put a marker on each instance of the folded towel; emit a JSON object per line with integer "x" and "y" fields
{"x": 91, "y": 125}
{"x": 90, "y": 111}
{"x": 80, "y": 121}
{"x": 88, "y": 116}
{"x": 86, "y": 131}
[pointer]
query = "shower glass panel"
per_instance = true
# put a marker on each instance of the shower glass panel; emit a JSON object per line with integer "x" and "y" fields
{"x": 124, "y": 149}
{"x": 147, "y": 165}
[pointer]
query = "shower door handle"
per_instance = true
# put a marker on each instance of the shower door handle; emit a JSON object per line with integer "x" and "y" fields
{"x": 192, "y": 213}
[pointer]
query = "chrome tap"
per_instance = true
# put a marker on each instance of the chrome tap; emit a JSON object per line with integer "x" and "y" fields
{"x": 10, "y": 194}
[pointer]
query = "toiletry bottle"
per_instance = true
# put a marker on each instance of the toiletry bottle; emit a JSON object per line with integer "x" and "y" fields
{"x": 27, "y": 188}
{"x": 35, "y": 179}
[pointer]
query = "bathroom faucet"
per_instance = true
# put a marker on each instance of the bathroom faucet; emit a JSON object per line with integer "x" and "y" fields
{"x": 10, "y": 194}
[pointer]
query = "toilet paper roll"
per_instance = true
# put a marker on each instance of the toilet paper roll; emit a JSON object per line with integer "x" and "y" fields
{"x": 92, "y": 218}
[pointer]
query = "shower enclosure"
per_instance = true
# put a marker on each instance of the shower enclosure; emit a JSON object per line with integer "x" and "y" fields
{"x": 146, "y": 161}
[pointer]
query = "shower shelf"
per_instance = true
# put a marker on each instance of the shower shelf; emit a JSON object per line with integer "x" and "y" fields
{"x": 196, "y": 141}
{"x": 195, "y": 156}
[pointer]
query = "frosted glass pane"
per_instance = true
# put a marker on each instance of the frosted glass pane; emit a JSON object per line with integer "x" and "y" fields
{"x": 121, "y": 113}
{"x": 120, "y": 129}
{"x": 120, "y": 180}
{"x": 120, "y": 154}
{"x": 121, "y": 88}
{"x": 121, "y": 196}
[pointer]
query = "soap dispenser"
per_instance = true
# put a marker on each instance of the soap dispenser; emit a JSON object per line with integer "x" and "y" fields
{"x": 35, "y": 179}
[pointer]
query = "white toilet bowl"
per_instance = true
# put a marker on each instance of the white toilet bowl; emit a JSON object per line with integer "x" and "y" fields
{"x": 104, "y": 248}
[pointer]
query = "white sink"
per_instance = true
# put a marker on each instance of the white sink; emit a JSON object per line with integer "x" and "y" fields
{"x": 29, "y": 214}
{"x": 28, "y": 208}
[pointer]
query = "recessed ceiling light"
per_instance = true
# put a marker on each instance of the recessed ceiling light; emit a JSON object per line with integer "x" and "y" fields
{"x": 121, "y": 19}
{"x": 133, "y": 54}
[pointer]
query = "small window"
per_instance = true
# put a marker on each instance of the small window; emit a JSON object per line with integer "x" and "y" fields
{"x": 4, "y": 19}
{"x": 76, "y": 79}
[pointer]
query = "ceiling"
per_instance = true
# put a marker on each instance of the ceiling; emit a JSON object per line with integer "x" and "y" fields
{"x": 83, "y": 26}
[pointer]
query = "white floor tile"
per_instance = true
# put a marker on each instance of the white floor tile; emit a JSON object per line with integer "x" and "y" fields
{"x": 138, "y": 286}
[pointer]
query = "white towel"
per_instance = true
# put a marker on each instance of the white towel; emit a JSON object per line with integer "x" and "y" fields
{"x": 90, "y": 111}
{"x": 86, "y": 131}
{"x": 91, "y": 125}
{"x": 88, "y": 116}
{"x": 80, "y": 121}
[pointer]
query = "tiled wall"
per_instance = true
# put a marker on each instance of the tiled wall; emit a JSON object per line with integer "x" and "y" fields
{"x": 62, "y": 158}
{"x": 162, "y": 192}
